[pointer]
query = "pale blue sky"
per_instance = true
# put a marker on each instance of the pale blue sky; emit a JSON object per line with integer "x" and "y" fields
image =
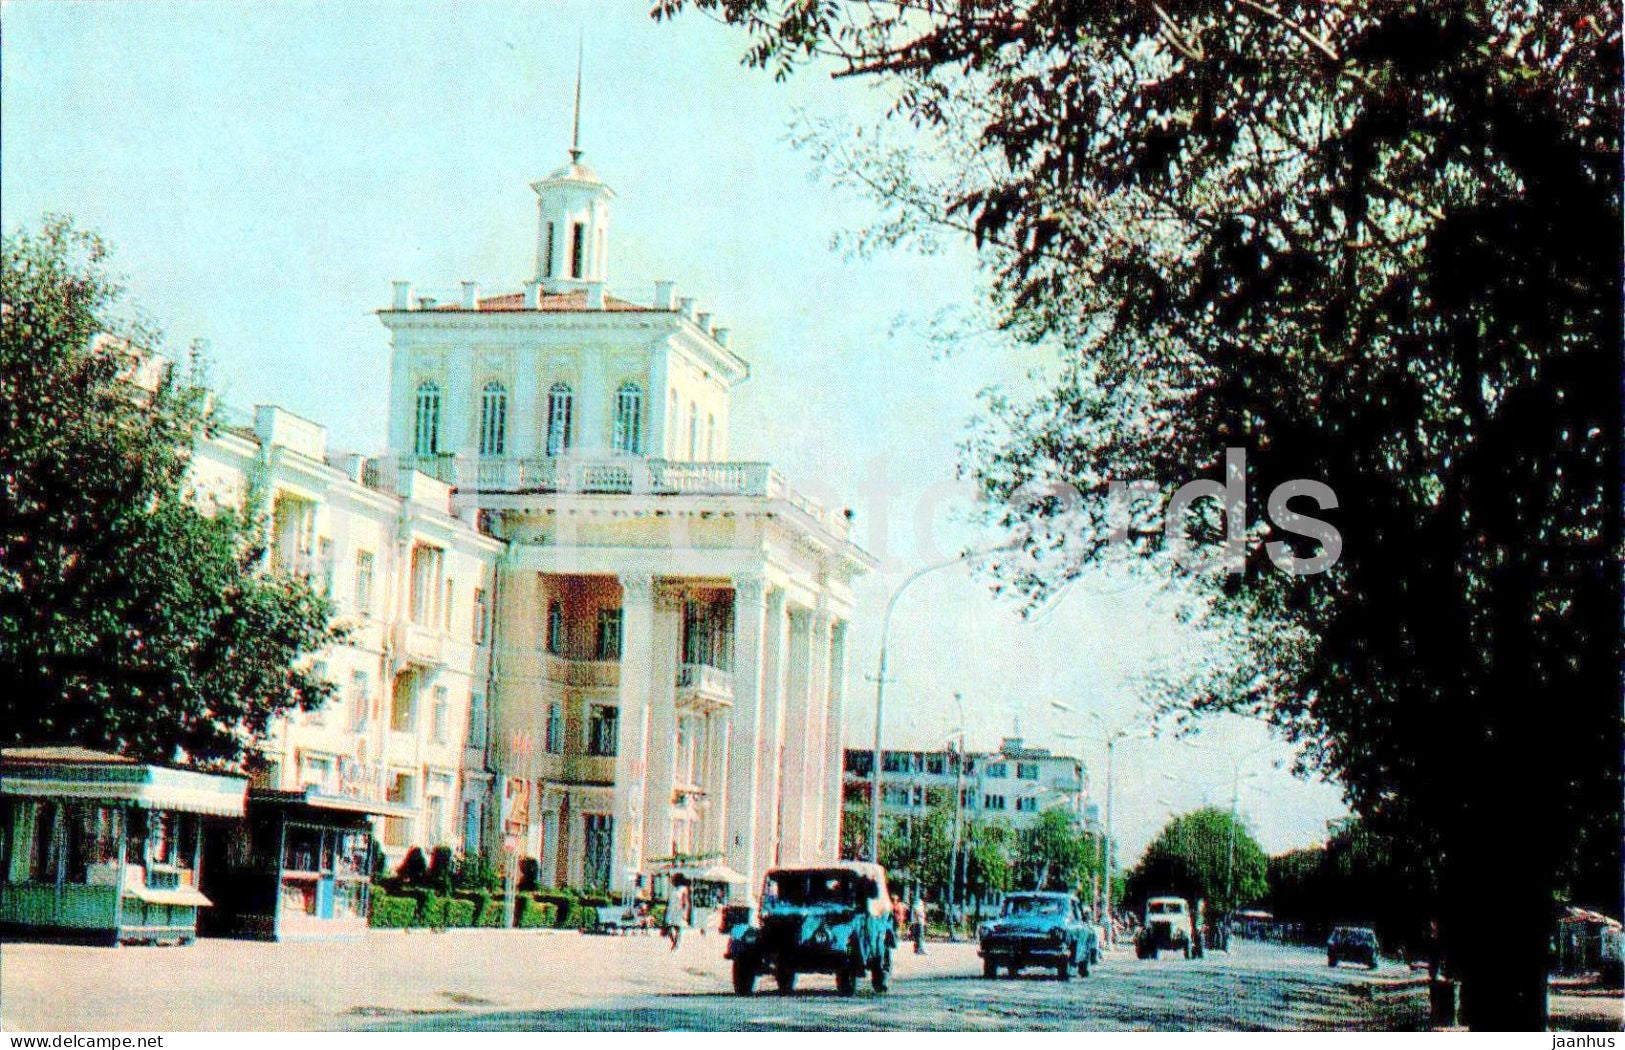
{"x": 265, "y": 170}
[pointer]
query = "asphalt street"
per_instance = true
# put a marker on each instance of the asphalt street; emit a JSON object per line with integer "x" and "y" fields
{"x": 1254, "y": 988}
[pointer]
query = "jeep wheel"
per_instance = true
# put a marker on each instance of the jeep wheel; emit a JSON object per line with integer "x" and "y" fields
{"x": 1063, "y": 970}
{"x": 1083, "y": 965}
{"x": 1187, "y": 951}
{"x": 785, "y": 977}
{"x": 990, "y": 967}
{"x": 744, "y": 977}
{"x": 1013, "y": 969}
{"x": 846, "y": 981}
{"x": 880, "y": 973}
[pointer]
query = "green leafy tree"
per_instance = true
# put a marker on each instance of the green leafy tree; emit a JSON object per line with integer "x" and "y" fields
{"x": 130, "y": 618}
{"x": 1359, "y": 877}
{"x": 1056, "y": 854}
{"x": 1377, "y": 247}
{"x": 1190, "y": 858}
{"x": 989, "y": 858}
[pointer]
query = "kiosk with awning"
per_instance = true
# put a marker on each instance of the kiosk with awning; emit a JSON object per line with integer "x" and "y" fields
{"x": 96, "y": 846}
{"x": 298, "y": 868}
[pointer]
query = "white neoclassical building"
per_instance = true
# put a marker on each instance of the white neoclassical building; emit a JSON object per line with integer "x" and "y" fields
{"x": 669, "y": 626}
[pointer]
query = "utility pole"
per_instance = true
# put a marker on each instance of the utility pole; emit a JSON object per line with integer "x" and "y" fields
{"x": 959, "y": 808}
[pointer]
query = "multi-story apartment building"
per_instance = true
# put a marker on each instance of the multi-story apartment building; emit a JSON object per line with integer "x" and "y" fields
{"x": 413, "y": 584}
{"x": 1015, "y": 783}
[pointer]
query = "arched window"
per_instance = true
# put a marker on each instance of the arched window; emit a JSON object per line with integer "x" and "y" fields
{"x": 559, "y": 403}
{"x": 710, "y": 437}
{"x": 629, "y": 418}
{"x": 693, "y": 431}
{"x": 493, "y": 420}
{"x": 426, "y": 423}
{"x": 673, "y": 435}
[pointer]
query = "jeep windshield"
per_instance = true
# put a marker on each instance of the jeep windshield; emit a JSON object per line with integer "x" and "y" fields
{"x": 1167, "y": 908}
{"x": 1038, "y": 906}
{"x": 798, "y": 888}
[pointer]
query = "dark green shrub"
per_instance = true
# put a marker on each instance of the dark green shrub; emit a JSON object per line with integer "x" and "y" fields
{"x": 490, "y": 913}
{"x": 413, "y": 868}
{"x": 562, "y": 906}
{"x": 530, "y": 874}
{"x": 391, "y": 912}
{"x": 460, "y": 911}
{"x": 438, "y": 877}
{"x": 534, "y": 914}
{"x": 473, "y": 872}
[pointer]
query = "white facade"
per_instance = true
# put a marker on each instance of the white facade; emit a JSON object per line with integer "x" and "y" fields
{"x": 413, "y": 585}
{"x": 669, "y": 625}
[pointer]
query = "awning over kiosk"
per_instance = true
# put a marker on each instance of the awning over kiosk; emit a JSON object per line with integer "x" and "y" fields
{"x": 96, "y": 776}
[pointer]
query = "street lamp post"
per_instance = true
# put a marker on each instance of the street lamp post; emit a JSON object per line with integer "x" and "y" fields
{"x": 959, "y": 802}
{"x": 1110, "y": 739}
{"x": 880, "y": 687}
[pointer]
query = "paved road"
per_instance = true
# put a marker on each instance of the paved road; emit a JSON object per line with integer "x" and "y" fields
{"x": 1254, "y": 988}
{"x": 546, "y": 980}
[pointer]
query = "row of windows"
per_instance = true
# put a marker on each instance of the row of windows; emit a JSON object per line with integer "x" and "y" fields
{"x": 629, "y": 419}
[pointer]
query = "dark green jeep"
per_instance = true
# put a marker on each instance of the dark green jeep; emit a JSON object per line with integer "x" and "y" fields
{"x": 827, "y": 918}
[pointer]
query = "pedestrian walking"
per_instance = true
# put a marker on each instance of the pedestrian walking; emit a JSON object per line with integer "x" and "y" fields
{"x": 677, "y": 898}
{"x": 917, "y": 920}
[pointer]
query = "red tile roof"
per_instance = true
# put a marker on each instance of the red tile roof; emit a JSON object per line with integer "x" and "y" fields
{"x": 561, "y": 302}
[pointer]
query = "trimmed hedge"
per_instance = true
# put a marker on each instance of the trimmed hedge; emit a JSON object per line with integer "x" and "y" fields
{"x": 563, "y": 908}
{"x": 459, "y": 912}
{"x": 533, "y": 913}
{"x": 490, "y": 913}
{"x": 392, "y": 912}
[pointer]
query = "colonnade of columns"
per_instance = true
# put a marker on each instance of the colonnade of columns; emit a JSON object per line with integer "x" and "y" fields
{"x": 773, "y": 791}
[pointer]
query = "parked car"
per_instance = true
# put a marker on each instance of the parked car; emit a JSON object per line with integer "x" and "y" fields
{"x": 1168, "y": 927}
{"x": 1352, "y": 944}
{"x": 828, "y": 918}
{"x": 1039, "y": 929}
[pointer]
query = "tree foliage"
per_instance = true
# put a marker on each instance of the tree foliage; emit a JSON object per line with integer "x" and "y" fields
{"x": 1376, "y": 246}
{"x": 1191, "y": 858}
{"x": 131, "y": 618}
{"x": 1357, "y": 878}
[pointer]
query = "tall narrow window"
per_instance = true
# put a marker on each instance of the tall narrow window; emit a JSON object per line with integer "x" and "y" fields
{"x": 555, "y": 730}
{"x": 609, "y": 634}
{"x": 578, "y": 248}
{"x": 672, "y": 436}
{"x": 547, "y": 253}
{"x": 559, "y": 403}
{"x": 629, "y": 418}
{"x": 555, "y": 628}
{"x": 693, "y": 431}
{"x": 493, "y": 419}
{"x": 710, "y": 437}
{"x": 426, "y": 425}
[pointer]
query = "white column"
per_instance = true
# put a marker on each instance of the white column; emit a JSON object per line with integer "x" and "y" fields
{"x": 817, "y": 749}
{"x": 637, "y": 636}
{"x": 770, "y": 742}
{"x": 747, "y": 792}
{"x": 834, "y": 773}
{"x": 550, "y": 839}
{"x": 662, "y": 744}
{"x": 719, "y": 726}
{"x": 793, "y": 792}
{"x": 457, "y": 409}
{"x": 655, "y": 423}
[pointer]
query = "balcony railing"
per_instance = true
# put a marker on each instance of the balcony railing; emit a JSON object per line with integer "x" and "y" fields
{"x": 712, "y": 683}
{"x": 633, "y": 476}
{"x": 584, "y": 674}
{"x": 420, "y": 645}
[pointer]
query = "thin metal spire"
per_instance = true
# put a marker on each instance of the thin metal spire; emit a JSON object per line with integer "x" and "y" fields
{"x": 575, "y": 135}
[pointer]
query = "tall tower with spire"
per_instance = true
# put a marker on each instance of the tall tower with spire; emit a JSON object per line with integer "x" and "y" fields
{"x": 572, "y": 219}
